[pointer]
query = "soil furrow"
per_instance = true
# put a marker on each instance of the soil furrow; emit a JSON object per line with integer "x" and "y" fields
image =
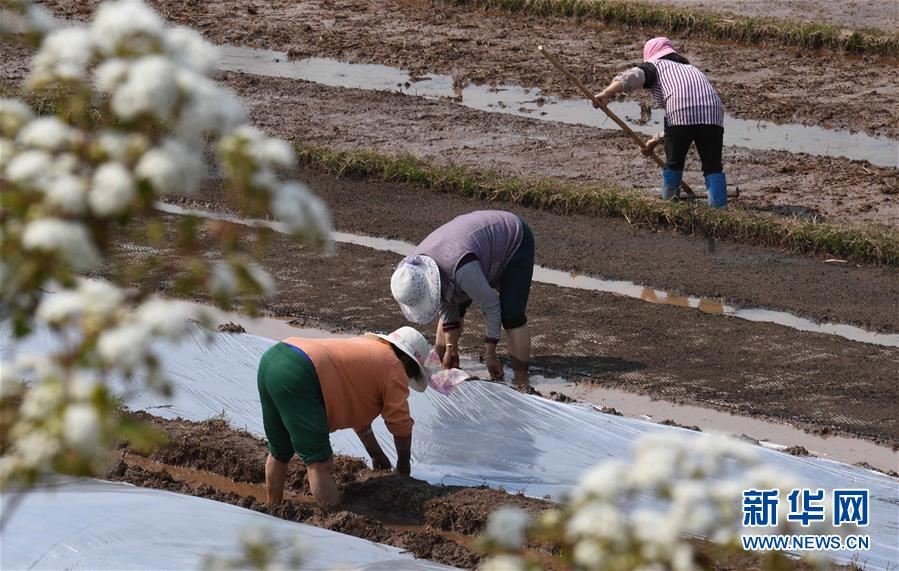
{"x": 439, "y": 523}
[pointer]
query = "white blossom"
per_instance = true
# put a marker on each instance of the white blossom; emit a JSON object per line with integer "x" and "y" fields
{"x": 48, "y": 133}
{"x": 603, "y": 481}
{"x": 209, "y": 107}
{"x": 261, "y": 278}
{"x": 13, "y": 115}
{"x": 127, "y": 26}
{"x": 171, "y": 168}
{"x": 596, "y": 519}
{"x": 67, "y": 192}
{"x": 69, "y": 239}
{"x": 223, "y": 281}
{"x": 111, "y": 74}
{"x": 163, "y": 317}
{"x": 503, "y": 563}
{"x": 64, "y": 55}
{"x": 10, "y": 383}
{"x": 125, "y": 346}
{"x": 30, "y": 168}
{"x": 507, "y": 526}
{"x": 40, "y": 19}
{"x": 112, "y": 189}
{"x": 81, "y": 427}
{"x": 41, "y": 399}
{"x": 151, "y": 89}
{"x": 37, "y": 449}
{"x": 188, "y": 48}
{"x": 301, "y": 211}
{"x": 589, "y": 554}
{"x": 83, "y": 385}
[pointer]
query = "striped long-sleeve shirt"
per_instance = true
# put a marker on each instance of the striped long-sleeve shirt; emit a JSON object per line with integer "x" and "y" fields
{"x": 682, "y": 90}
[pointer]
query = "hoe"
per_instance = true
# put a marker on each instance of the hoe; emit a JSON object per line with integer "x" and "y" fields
{"x": 624, "y": 126}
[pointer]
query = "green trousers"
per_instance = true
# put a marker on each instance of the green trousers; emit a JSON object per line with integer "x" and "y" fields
{"x": 293, "y": 409}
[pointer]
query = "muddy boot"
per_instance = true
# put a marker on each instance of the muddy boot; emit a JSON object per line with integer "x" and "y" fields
{"x": 716, "y": 185}
{"x": 670, "y": 183}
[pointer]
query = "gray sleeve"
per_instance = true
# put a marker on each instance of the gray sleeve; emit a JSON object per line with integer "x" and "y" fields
{"x": 471, "y": 280}
{"x": 631, "y": 79}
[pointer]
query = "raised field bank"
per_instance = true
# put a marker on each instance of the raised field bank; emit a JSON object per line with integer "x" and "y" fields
{"x": 187, "y": 184}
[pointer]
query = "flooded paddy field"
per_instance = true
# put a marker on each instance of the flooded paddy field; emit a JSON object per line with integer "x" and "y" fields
{"x": 796, "y": 353}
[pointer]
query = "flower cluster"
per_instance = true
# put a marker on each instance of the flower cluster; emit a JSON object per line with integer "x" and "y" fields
{"x": 261, "y": 549}
{"x": 640, "y": 514}
{"x": 134, "y": 116}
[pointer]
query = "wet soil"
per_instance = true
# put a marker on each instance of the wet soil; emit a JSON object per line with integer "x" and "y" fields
{"x": 851, "y": 13}
{"x": 210, "y": 459}
{"x": 439, "y": 523}
{"x": 741, "y": 275}
{"x": 755, "y": 82}
{"x": 778, "y": 182}
{"x": 788, "y": 184}
{"x": 755, "y": 369}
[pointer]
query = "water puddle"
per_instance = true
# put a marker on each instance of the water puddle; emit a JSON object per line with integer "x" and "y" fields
{"x": 575, "y": 281}
{"x": 524, "y": 102}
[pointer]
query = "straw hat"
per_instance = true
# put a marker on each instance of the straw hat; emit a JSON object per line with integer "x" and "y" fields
{"x": 411, "y": 342}
{"x": 415, "y": 285}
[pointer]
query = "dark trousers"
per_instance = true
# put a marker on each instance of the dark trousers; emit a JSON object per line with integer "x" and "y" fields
{"x": 708, "y": 138}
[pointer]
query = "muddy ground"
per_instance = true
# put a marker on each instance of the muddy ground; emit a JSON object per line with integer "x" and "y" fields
{"x": 739, "y": 275}
{"x": 851, "y": 13}
{"x": 787, "y": 184}
{"x": 210, "y": 459}
{"x": 756, "y": 82}
{"x": 816, "y": 381}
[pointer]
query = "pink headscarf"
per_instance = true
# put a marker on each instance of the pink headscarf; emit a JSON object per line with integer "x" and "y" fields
{"x": 657, "y": 48}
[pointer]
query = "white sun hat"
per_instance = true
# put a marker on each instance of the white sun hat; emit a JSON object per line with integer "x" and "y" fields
{"x": 411, "y": 342}
{"x": 416, "y": 287}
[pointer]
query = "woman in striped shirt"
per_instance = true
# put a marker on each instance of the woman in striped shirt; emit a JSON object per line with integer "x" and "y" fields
{"x": 693, "y": 114}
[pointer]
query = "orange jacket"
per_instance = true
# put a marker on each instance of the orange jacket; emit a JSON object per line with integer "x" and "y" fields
{"x": 361, "y": 378}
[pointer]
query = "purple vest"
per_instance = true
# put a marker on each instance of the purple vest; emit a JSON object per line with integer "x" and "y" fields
{"x": 492, "y": 236}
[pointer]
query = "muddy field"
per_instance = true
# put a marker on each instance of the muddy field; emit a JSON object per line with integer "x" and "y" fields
{"x": 757, "y": 82}
{"x": 788, "y": 184}
{"x": 741, "y": 275}
{"x": 213, "y": 460}
{"x": 668, "y": 352}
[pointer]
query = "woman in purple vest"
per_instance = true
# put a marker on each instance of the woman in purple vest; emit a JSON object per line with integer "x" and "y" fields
{"x": 462, "y": 262}
{"x": 693, "y": 113}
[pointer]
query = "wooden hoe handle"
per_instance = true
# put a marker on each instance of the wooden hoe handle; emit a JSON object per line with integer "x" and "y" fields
{"x": 589, "y": 95}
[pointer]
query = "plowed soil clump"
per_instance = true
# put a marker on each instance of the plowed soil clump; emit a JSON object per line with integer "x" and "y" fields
{"x": 213, "y": 460}
{"x": 433, "y": 522}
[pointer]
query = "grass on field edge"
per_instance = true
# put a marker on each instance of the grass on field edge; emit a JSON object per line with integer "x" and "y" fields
{"x": 703, "y": 22}
{"x": 857, "y": 243}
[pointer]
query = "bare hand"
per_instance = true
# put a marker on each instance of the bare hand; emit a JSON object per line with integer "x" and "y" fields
{"x": 381, "y": 462}
{"x": 651, "y": 144}
{"x": 601, "y": 99}
{"x": 451, "y": 357}
{"x": 494, "y": 367}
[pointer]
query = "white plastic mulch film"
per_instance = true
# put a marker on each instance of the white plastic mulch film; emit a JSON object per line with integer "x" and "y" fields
{"x": 91, "y": 524}
{"x": 484, "y": 433}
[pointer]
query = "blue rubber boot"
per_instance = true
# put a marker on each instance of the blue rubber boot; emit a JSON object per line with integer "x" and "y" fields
{"x": 670, "y": 183}
{"x": 716, "y": 185}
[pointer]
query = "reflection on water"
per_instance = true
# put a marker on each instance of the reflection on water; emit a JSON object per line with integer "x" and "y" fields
{"x": 524, "y": 102}
{"x": 577, "y": 281}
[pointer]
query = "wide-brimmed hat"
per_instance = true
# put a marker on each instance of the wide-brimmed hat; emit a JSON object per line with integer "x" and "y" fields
{"x": 411, "y": 342}
{"x": 415, "y": 285}
{"x": 657, "y": 48}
